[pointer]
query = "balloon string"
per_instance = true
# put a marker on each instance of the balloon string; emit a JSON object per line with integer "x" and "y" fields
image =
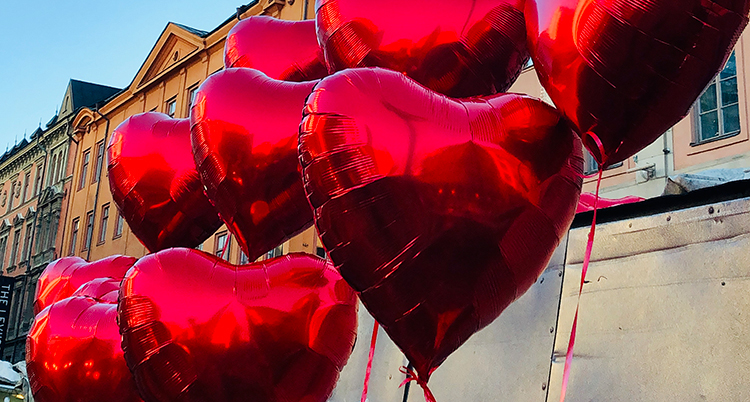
{"x": 373, "y": 341}
{"x": 411, "y": 376}
{"x": 584, "y": 269}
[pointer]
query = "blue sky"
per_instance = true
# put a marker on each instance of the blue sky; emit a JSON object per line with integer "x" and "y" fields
{"x": 46, "y": 43}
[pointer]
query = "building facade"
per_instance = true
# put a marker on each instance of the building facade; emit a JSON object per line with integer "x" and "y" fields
{"x": 715, "y": 135}
{"x": 179, "y": 62}
{"x": 32, "y": 200}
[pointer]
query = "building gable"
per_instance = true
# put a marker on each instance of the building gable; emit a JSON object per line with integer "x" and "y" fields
{"x": 176, "y": 43}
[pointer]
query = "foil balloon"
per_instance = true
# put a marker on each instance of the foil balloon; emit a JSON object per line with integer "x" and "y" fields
{"x": 73, "y": 350}
{"x": 254, "y": 43}
{"x": 438, "y": 212}
{"x": 458, "y": 48}
{"x": 623, "y": 71}
{"x": 155, "y": 185}
{"x": 63, "y": 277}
{"x": 195, "y": 328}
{"x": 244, "y": 136}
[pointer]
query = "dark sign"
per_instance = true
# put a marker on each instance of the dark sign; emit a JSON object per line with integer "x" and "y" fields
{"x": 6, "y": 293}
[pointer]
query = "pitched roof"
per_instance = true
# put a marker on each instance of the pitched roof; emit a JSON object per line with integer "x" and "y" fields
{"x": 193, "y": 31}
{"x": 87, "y": 94}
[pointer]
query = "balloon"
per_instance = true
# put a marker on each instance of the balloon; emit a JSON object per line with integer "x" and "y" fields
{"x": 623, "y": 71}
{"x": 254, "y": 43}
{"x": 196, "y": 328}
{"x": 244, "y": 139}
{"x": 438, "y": 212}
{"x": 458, "y": 48}
{"x": 155, "y": 185}
{"x": 588, "y": 201}
{"x": 63, "y": 277}
{"x": 73, "y": 347}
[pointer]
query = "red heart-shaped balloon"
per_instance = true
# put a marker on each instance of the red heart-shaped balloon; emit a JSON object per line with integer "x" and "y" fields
{"x": 155, "y": 185}
{"x": 63, "y": 277}
{"x": 195, "y": 328}
{"x": 438, "y": 212}
{"x": 624, "y": 71}
{"x": 254, "y": 43}
{"x": 458, "y": 48}
{"x": 73, "y": 347}
{"x": 245, "y": 145}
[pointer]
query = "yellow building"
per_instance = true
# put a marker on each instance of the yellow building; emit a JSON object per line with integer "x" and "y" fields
{"x": 179, "y": 62}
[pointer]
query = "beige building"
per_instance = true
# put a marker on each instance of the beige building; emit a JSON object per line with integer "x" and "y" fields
{"x": 713, "y": 136}
{"x": 179, "y": 62}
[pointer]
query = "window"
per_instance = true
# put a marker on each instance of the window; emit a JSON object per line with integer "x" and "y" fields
{"x": 221, "y": 244}
{"x": 73, "y": 236}
{"x": 277, "y": 252}
{"x": 119, "y": 223}
{"x": 14, "y": 249}
{"x": 590, "y": 166}
{"x": 320, "y": 252}
{"x": 243, "y": 258}
{"x": 42, "y": 229}
{"x": 53, "y": 166}
{"x": 718, "y": 111}
{"x": 15, "y": 309}
{"x": 26, "y": 183}
{"x": 171, "y": 107}
{"x": 38, "y": 185}
{"x": 199, "y": 247}
{"x": 99, "y": 161}
{"x": 52, "y": 222}
{"x": 3, "y": 246}
{"x": 89, "y": 233}
{"x": 60, "y": 168}
{"x": 191, "y": 96}
{"x": 84, "y": 168}
{"x": 103, "y": 224}
{"x": 27, "y": 243}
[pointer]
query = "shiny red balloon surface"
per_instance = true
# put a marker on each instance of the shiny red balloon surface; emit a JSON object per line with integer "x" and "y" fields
{"x": 458, "y": 48}
{"x": 63, "y": 277}
{"x": 155, "y": 185}
{"x": 626, "y": 71}
{"x": 73, "y": 349}
{"x": 198, "y": 329}
{"x": 283, "y": 50}
{"x": 244, "y": 139}
{"x": 438, "y": 212}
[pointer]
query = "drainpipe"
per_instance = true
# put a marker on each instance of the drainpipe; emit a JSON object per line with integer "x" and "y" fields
{"x": 98, "y": 184}
{"x": 304, "y": 10}
{"x": 666, "y": 152}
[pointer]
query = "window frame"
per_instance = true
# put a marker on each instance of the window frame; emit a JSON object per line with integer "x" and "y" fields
{"x": 88, "y": 235}
{"x": 191, "y": 94}
{"x": 14, "y": 248}
{"x": 698, "y": 138}
{"x": 119, "y": 225}
{"x": 74, "y": 231}
{"x": 219, "y": 250}
{"x": 98, "y": 161}
{"x": 103, "y": 221}
{"x": 25, "y": 187}
{"x": 170, "y": 103}
{"x": 85, "y": 161}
